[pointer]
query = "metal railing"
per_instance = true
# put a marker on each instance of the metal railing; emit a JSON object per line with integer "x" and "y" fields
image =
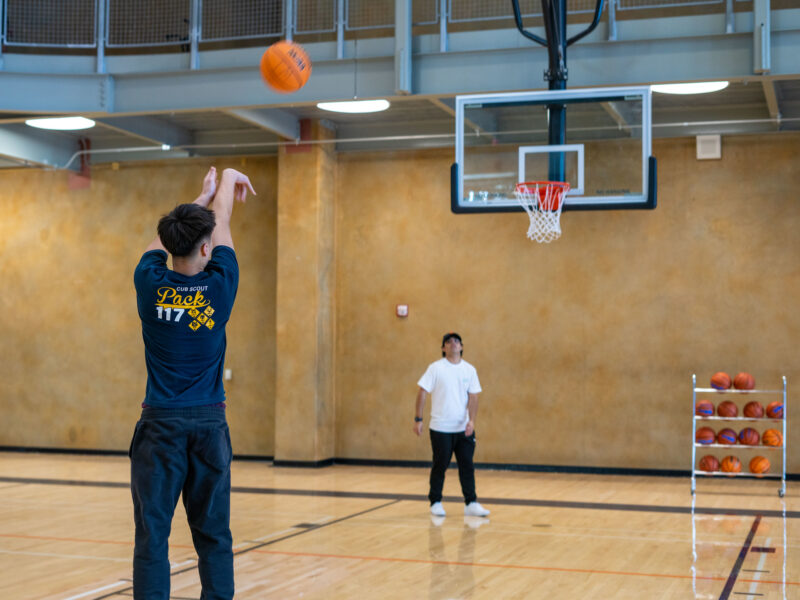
{"x": 158, "y": 23}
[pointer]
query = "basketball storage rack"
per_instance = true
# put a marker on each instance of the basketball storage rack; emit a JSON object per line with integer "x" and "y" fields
{"x": 735, "y": 447}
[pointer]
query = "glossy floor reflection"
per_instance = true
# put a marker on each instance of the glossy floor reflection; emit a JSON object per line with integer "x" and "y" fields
{"x": 357, "y": 532}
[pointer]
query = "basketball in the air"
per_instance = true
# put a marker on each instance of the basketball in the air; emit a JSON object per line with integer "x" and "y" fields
{"x": 744, "y": 381}
{"x": 708, "y": 463}
{"x": 731, "y": 464}
{"x": 753, "y": 410}
{"x": 705, "y": 435}
{"x": 704, "y": 408}
{"x": 749, "y": 437}
{"x": 775, "y": 409}
{"x": 720, "y": 381}
{"x": 726, "y": 436}
{"x": 772, "y": 437}
{"x": 759, "y": 464}
{"x": 285, "y": 66}
{"x": 727, "y": 409}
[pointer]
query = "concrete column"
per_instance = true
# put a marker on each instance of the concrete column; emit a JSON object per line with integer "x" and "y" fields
{"x": 304, "y": 397}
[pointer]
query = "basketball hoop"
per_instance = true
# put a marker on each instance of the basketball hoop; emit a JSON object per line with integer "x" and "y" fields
{"x": 543, "y": 201}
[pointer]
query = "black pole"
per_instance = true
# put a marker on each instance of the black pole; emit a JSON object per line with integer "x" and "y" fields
{"x": 554, "y": 14}
{"x": 555, "y": 22}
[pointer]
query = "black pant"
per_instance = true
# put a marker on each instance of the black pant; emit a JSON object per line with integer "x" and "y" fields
{"x": 174, "y": 451}
{"x": 443, "y": 445}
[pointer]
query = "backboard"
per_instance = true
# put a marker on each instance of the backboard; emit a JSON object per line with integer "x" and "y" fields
{"x": 503, "y": 139}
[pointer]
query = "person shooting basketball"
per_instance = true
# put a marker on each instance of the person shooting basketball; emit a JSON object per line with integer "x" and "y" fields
{"x": 454, "y": 387}
{"x": 181, "y": 444}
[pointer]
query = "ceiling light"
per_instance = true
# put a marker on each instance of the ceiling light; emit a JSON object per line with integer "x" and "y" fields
{"x": 61, "y": 123}
{"x": 702, "y": 87}
{"x": 355, "y": 106}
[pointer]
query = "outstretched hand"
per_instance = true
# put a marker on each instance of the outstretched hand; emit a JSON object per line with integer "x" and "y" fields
{"x": 209, "y": 187}
{"x": 241, "y": 184}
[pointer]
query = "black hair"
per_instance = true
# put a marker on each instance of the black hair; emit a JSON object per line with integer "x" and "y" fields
{"x": 449, "y": 336}
{"x": 185, "y": 228}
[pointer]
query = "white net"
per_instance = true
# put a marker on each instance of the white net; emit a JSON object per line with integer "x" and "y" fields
{"x": 543, "y": 201}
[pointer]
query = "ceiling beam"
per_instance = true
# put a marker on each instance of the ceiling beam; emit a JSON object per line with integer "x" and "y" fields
{"x": 771, "y": 97}
{"x": 150, "y": 129}
{"x": 274, "y": 120}
{"x": 621, "y": 121}
{"x": 36, "y": 147}
{"x": 479, "y": 123}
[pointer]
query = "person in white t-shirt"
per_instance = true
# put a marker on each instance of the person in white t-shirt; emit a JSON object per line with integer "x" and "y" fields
{"x": 454, "y": 387}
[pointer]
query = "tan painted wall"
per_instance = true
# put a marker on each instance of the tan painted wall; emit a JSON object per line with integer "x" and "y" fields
{"x": 305, "y": 384}
{"x": 585, "y": 348}
{"x": 73, "y": 373}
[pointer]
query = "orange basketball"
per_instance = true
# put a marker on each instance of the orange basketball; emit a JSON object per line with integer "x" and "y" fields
{"x": 744, "y": 381}
{"x": 754, "y": 410}
{"x": 726, "y": 436}
{"x": 285, "y": 66}
{"x": 727, "y": 409}
{"x": 749, "y": 437}
{"x": 772, "y": 437}
{"x": 720, "y": 381}
{"x": 704, "y": 408}
{"x": 708, "y": 463}
{"x": 759, "y": 465}
{"x": 705, "y": 435}
{"x": 775, "y": 409}
{"x": 731, "y": 464}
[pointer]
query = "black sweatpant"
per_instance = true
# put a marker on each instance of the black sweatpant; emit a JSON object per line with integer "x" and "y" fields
{"x": 174, "y": 452}
{"x": 444, "y": 445}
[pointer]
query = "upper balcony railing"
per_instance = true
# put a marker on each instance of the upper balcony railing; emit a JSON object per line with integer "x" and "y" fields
{"x": 159, "y": 23}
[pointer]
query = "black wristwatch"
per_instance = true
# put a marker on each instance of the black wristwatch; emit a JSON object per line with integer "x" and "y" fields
{"x": 417, "y": 419}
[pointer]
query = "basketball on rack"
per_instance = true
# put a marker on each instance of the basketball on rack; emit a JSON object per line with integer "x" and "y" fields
{"x": 749, "y": 437}
{"x": 772, "y": 437}
{"x": 704, "y": 408}
{"x": 775, "y": 409}
{"x": 705, "y": 435}
{"x": 731, "y": 464}
{"x": 744, "y": 381}
{"x": 759, "y": 464}
{"x": 727, "y": 409}
{"x": 285, "y": 66}
{"x": 720, "y": 381}
{"x": 726, "y": 436}
{"x": 753, "y": 410}
{"x": 708, "y": 463}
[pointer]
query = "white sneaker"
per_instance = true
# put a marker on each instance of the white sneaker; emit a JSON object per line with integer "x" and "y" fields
{"x": 437, "y": 510}
{"x": 474, "y": 509}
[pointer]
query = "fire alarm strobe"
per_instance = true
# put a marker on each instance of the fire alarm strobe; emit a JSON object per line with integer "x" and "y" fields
{"x": 401, "y": 310}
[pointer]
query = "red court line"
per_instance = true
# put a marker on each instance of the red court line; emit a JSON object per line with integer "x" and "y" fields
{"x": 523, "y": 567}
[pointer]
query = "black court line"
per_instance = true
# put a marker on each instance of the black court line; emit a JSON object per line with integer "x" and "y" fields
{"x": 648, "y": 508}
{"x": 261, "y": 545}
{"x": 726, "y": 591}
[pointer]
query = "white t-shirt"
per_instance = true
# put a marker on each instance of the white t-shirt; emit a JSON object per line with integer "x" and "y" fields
{"x": 448, "y": 384}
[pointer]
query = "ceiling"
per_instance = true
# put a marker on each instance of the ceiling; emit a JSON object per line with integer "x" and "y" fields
{"x": 156, "y": 107}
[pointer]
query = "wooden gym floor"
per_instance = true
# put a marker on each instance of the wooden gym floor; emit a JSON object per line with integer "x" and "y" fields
{"x": 66, "y": 533}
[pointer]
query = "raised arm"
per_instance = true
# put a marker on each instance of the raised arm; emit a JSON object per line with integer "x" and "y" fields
{"x": 233, "y": 186}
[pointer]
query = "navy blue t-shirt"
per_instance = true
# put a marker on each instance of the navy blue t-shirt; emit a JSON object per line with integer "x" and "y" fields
{"x": 183, "y": 327}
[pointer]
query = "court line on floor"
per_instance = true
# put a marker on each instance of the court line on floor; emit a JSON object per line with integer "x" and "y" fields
{"x": 507, "y": 566}
{"x": 726, "y": 591}
{"x": 654, "y": 508}
{"x": 759, "y": 569}
{"x": 270, "y": 542}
